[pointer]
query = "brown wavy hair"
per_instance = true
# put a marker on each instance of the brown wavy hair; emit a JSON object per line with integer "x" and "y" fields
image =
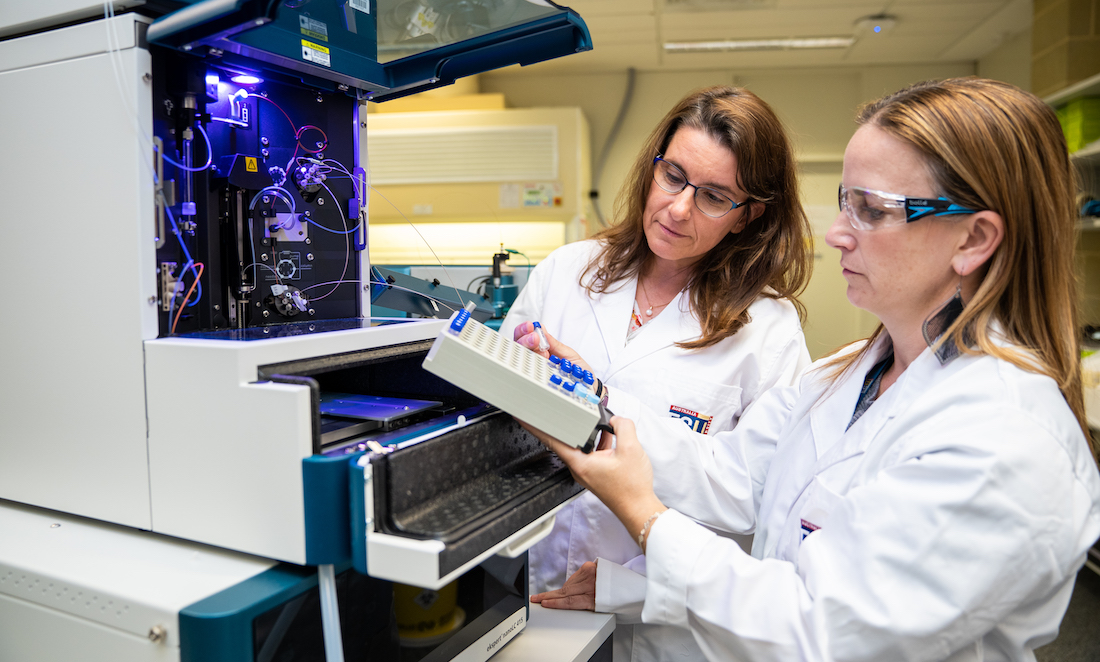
{"x": 771, "y": 256}
{"x": 990, "y": 145}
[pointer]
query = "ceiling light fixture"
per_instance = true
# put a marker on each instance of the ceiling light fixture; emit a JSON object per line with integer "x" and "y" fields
{"x": 876, "y": 24}
{"x": 758, "y": 44}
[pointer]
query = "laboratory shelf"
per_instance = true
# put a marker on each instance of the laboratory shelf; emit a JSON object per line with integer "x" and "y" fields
{"x": 1085, "y": 88}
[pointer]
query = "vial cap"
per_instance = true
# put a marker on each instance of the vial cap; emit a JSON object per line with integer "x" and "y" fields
{"x": 555, "y": 380}
{"x": 569, "y": 386}
{"x": 555, "y": 360}
{"x": 460, "y": 320}
{"x": 578, "y": 372}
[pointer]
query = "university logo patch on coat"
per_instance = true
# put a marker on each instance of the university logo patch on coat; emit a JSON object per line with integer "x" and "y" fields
{"x": 693, "y": 419}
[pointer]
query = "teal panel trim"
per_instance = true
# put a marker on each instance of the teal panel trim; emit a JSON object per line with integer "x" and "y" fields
{"x": 206, "y": 17}
{"x": 395, "y": 290}
{"x": 382, "y": 311}
{"x": 535, "y": 41}
{"x": 219, "y": 628}
{"x": 325, "y": 495}
{"x": 358, "y": 518}
{"x": 352, "y": 54}
{"x": 270, "y": 32}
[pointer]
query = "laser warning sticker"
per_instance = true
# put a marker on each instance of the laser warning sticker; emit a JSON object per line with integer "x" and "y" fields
{"x": 313, "y": 28}
{"x": 315, "y": 53}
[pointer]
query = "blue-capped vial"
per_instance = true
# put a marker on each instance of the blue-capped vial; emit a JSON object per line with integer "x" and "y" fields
{"x": 568, "y": 387}
{"x": 592, "y": 398}
{"x": 589, "y": 378}
{"x": 566, "y": 367}
{"x": 544, "y": 344}
{"x": 459, "y": 321}
{"x": 555, "y": 381}
{"x": 555, "y": 361}
{"x": 582, "y": 390}
{"x": 578, "y": 373}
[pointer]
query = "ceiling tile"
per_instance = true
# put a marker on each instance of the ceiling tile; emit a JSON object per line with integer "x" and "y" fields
{"x": 631, "y": 33}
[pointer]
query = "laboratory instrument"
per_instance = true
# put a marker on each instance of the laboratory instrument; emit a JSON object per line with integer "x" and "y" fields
{"x": 197, "y": 362}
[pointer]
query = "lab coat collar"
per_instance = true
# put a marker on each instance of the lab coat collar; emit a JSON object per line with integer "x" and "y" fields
{"x": 674, "y": 324}
{"x": 826, "y": 429}
{"x": 612, "y": 313}
{"x": 833, "y": 441}
{"x": 830, "y": 416}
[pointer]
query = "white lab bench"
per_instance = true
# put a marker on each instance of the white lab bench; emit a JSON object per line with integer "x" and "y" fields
{"x": 558, "y": 635}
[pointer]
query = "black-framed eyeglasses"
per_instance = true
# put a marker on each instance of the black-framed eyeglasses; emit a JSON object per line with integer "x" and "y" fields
{"x": 868, "y": 209}
{"x": 711, "y": 202}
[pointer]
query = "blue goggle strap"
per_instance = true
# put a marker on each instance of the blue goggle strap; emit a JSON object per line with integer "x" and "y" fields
{"x": 918, "y": 208}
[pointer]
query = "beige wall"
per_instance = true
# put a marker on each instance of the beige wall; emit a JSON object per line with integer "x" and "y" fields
{"x": 1065, "y": 43}
{"x": 1088, "y": 270}
{"x": 1010, "y": 62}
{"x": 818, "y": 107}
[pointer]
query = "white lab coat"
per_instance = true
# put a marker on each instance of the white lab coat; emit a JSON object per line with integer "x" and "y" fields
{"x": 947, "y": 523}
{"x": 716, "y": 383}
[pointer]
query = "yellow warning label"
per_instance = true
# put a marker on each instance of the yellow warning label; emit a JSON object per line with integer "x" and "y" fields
{"x": 250, "y": 164}
{"x": 313, "y": 28}
{"x": 315, "y": 53}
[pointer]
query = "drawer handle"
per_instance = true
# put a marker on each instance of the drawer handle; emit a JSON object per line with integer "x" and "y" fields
{"x": 527, "y": 540}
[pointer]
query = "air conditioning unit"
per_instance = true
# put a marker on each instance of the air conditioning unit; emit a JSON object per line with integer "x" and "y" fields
{"x": 452, "y": 186}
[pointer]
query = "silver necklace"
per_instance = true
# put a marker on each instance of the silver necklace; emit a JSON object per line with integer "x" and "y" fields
{"x": 649, "y": 310}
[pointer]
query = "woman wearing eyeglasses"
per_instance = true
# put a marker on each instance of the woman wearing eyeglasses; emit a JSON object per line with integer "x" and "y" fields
{"x": 928, "y": 494}
{"x": 688, "y": 303}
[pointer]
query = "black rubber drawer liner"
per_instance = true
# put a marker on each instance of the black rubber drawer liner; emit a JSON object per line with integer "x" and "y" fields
{"x": 470, "y": 488}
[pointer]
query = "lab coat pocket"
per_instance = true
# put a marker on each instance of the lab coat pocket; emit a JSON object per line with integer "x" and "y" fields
{"x": 810, "y": 514}
{"x": 818, "y": 506}
{"x": 705, "y": 407}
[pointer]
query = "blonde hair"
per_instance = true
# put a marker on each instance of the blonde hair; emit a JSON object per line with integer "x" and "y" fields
{"x": 772, "y": 251}
{"x": 990, "y": 145}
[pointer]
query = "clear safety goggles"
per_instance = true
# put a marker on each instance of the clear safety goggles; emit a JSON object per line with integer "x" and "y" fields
{"x": 868, "y": 209}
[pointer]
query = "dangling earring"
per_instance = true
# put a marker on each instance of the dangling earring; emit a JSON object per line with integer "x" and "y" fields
{"x": 938, "y": 321}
